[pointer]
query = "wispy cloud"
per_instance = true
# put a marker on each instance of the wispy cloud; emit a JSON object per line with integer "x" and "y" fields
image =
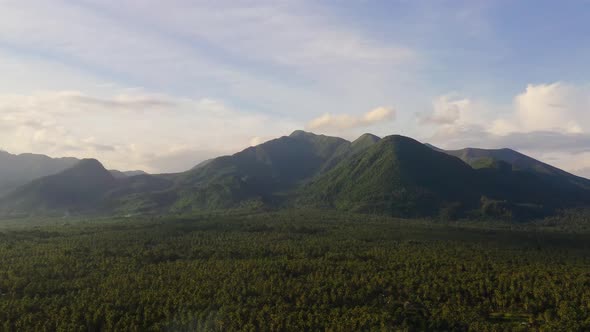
{"x": 271, "y": 54}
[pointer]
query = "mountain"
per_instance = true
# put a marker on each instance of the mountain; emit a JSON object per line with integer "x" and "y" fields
{"x": 364, "y": 141}
{"x": 124, "y": 174}
{"x": 17, "y": 170}
{"x": 400, "y": 176}
{"x": 394, "y": 175}
{"x": 87, "y": 187}
{"x": 77, "y": 188}
{"x": 493, "y": 158}
{"x": 256, "y": 175}
{"x": 482, "y": 158}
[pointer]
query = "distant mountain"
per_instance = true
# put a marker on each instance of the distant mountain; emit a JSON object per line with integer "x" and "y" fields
{"x": 17, "y": 170}
{"x": 77, "y": 188}
{"x": 494, "y": 158}
{"x": 394, "y": 175}
{"x": 124, "y": 174}
{"x": 87, "y": 187}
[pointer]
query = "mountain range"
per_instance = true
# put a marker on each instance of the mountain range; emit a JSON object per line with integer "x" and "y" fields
{"x": 394, "y": 175}
{"x": 18, "y": 170}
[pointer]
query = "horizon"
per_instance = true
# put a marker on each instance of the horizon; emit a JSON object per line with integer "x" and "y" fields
{"x": 162, "y": 87}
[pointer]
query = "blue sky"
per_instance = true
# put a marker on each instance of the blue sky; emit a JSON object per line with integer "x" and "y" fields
{"x": 163, "y": 85}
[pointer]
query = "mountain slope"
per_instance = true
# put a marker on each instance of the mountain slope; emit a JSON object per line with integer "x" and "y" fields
{"x": 17, "y": 170}
{"x": 124, "y": 174}
{"x": 491, "y": 158}
{"x": 396, "y": 175}
{"x": 257, "y": 173}
{"x": 87, "y": 187}
{"x": 403, "y": 177}
{"x": 78, "y": 188}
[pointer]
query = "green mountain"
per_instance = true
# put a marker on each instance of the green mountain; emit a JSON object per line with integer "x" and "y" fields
{"x": 494, "y": 158}
{"x": 395, "y": 175}
{"x": 18, "y": 170}
{"x": 87, "y": 187}
{"x": 257, "y": 175}
{"x": 124, "y": 174}
{"x": 80, "y": 187}
{"x": 403, "y": 177}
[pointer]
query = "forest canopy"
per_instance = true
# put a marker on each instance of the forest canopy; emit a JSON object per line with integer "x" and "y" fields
{"x": 294, "y": 270}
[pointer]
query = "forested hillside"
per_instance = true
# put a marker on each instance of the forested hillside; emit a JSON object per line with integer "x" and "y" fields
{"x": 395, "y": 175}
{"x": 18, "y": 170}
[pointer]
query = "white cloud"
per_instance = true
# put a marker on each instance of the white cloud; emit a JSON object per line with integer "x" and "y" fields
{"x": 345, "y": 121}
{"x": 303, "y": 32}
{"x": 447, "y": 109}
{"x": 129, "y": 131}
{"x": 275, "y": 62}
{"x": 557, "y": 107}
{"x": 545, "y": 120}
{"x": 288, "y": 57}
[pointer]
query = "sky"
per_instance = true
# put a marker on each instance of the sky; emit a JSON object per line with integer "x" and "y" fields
{"x": 163, "y": 85}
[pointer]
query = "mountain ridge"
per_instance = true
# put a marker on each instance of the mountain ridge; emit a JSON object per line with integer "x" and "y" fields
{"x": 394, "y": 175}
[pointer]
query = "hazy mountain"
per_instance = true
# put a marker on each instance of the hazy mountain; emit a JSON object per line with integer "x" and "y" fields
{"x": 490, "y": 158}
{"x": 85, "y": 187}
{"x": 124, "y": 174}
{"x": 80, "y": 187}
{"x": 17, "y": 170}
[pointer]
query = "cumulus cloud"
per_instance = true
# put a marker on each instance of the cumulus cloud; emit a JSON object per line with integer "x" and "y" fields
{"x": 556, "y": 107}
{"x": 345, "y": 121}
{"x": 545, "y": 120}
{"x": 446, "y": 110}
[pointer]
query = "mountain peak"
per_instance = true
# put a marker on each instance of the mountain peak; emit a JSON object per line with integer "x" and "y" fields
{"x": 368, "y": 136}
{"x": 400, "y": 139}
{"x": 89, "y": 163}
{"x": 88, "y": 168}
{"x": 364, "y": 141}
{"x": 302, "y": 133}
